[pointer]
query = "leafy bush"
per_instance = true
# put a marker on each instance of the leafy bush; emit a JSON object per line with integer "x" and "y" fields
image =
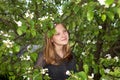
{"x": 94, "y": 28}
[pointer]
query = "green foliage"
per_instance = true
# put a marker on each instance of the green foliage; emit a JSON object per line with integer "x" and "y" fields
{"x": 78, "y": 76}
{"x": 94, "y": 33}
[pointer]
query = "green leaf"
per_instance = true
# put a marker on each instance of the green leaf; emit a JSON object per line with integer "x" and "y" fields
{"x": 77, "y": 1}
{"x": 116, "y": 72}
{"x": 23, "y": 28}
{"x": 110, "y": 15}
{"x": 19, "y": 31}
{"x": 82, "y": 75}
{"x": 51, "y": 33}
{"x": 16, "y": 48}
{"x": 90, "y": 15}
{"x": 86, "y": 68}
{"x": 37, "y": 75}
{"x": 109, "y": 2}
{"x": 33, "y": 56}
{"x": 76, "y": 8}
{"x": 101, "y": 71}
{"x": 33, "y": 32}
{"x": 66, "y": 14}
{"x": 12, "y": 77}
{"x": 118, "y": 11}
{"x": 103, "y": 17}
{"x": 11, "y": 73}
{"x": 106, "y": 77}
{"x": 32, "y": 23}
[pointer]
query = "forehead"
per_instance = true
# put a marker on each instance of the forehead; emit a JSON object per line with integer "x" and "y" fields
{"x": 59, "y": 27}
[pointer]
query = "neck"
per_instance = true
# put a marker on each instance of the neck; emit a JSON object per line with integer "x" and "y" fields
{"x": 59, "y": 51}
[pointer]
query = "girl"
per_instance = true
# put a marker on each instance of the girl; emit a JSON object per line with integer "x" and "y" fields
{"x": 57, "y": 56}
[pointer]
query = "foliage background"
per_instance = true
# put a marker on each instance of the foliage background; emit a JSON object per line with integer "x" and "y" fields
{"x": 94, "y": 28}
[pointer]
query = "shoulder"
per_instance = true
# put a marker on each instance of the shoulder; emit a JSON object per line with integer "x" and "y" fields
{"x": 40, "y": 54}
{"x": 40, "y": 62}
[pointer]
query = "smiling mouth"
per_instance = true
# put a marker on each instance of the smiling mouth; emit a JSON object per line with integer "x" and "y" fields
{"x": 64, "y": 39}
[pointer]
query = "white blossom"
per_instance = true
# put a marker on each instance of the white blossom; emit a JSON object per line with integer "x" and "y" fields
{"x": 52, "y": 18}
{"x": 108, "y": 56}
{"x": 93, "y": 42}
{"x": 43, "y": 71}
{"x": 100, "y": 27}
{"x": 84, "y": 4}
{"x": 46, "y": 69}
{"x": 31, "y": 15}
{"x": 102, "y": 2}
{"x": 29, "y": 69}
{"x": 88, "y": 41}
{"x": 24, "y": 76}
{"x": 19, "y": 23}
{"x": 25, "y": 57}
{"x": 83, "y": 53}
{"x": 6, "y": 35}
{"x": 29, "y": 48}
{"x": 8, "y": 43}
{"x": 91, "y": 76}
{"x": 28, "y": 78}
{"x": 22, "y": 57}
{"x": 60, "y": 11}
{"x": 68, "y": 72}
{"x": 10, "y": 51}
{"x": 116, "y": 58}
{"x": 10, "y": 30}
{"x": 43, "y": 18}
{"x": 85, "y": 25}
{"x": 46, "y": 74}
{"x": 26, "y": 14}
{"x": 106, "y": 6}
{"x": 113, "y": 5}
{"x": 1, "y": 32}
{"x": 107, "y": 70}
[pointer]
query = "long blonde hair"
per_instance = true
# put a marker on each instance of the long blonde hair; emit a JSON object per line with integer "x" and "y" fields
{"x": 49, "y": 52}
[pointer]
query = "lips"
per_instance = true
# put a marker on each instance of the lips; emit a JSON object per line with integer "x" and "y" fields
{"x": 64, "y": 39}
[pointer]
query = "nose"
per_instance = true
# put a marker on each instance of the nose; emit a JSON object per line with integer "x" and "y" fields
{"x": 63, "y": 34}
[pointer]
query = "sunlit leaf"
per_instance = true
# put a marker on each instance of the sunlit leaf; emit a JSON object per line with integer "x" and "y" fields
{"x": 33, "y": 56}
{"x": 19, "y": 31}
{"x": 109, "y": 2}
{"x": 16, "y": 48}
{"x": 90, "y": 15}
{"x": 86, "y": 68}
{"x": 82, "y": 75}
{"x": 103, "y": 17}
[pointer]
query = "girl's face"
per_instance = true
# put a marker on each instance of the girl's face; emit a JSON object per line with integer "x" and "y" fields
{"x": 61, "y": 36}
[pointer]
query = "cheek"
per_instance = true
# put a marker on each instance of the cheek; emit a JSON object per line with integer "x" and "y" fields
{"x": 54, "y": 39}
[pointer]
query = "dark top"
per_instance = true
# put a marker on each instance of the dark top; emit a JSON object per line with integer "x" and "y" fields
{"x": 57, "y": 72}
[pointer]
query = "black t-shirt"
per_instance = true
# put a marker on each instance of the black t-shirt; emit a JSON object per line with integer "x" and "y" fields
{"x": 58, "y": 72}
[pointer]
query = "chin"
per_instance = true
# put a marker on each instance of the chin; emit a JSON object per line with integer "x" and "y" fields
{"x": 65, "y": 43}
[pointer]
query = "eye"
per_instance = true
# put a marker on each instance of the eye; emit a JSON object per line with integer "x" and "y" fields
{"x": 65, "y": 31}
